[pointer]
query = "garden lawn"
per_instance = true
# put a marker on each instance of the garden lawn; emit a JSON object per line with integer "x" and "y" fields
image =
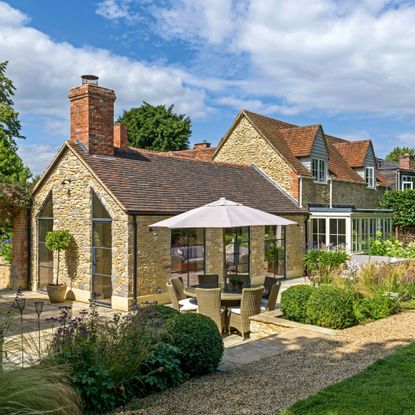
{"x": 386, "y": 387}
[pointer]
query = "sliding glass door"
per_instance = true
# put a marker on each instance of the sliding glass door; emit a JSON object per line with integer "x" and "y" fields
{"x": 237, "y": 251}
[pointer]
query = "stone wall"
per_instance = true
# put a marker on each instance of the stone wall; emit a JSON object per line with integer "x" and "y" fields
{"x": 70, "y": 184}
{"x": 4, "y": 274}
{"x": 295, "y": 246}
{"x": 245, "y": 146}
{"x": 20, "y": 251}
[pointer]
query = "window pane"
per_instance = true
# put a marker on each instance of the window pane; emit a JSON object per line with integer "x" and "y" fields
{"x": 342, "y": 226}
{"x": 322, "y": 226}
{"x": 47, "y": 210}
{"x": 333, "y": 226}
{"x": 187, "y": 254}
{"x": 103, "y": 259}
{"x": 45, "y": 259}
{"x": 102, "y": 234}
{"x": 45, "y": 226}
{"x": 99, "y": 210}
{"x": 237, "y": 250}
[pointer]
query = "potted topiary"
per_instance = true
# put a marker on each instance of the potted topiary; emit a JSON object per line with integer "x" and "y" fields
{"x": 58, "y": 240}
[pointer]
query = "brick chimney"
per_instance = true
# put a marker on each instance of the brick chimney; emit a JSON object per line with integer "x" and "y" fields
{"x": 202, "y": 145}
{"x": 120, "y": 136}
{"x": 92, "y": 116}
{"x": 406, "y": 162}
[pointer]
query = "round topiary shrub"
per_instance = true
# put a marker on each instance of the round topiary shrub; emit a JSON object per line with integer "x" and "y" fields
{"x": 199, "y": 341}
{"x": 294, "y": 302}
{"x": 160, "y": 311}
{"x": 331, "y": 307}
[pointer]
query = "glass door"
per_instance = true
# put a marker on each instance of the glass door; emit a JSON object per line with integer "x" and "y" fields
{"x": 44, "y": 256}
{"x": 101, "y": 253}
{"x": 237, "y": 251}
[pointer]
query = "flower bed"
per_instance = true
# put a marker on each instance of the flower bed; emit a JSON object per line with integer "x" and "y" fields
{"x": 353, "y": 297}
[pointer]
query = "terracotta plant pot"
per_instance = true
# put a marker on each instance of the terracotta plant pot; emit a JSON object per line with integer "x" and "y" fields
{"x": 57, "y": 293}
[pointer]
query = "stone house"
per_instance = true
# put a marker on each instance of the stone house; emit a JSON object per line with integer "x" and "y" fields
{"x": 335, "y": 179}
{"x": 107, "y": 194}
{"x": 400, "y": 175}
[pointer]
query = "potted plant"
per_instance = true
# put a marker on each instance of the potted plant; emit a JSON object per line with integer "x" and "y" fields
{"x": 236, "y": 282}
{"x": 58, "y": 240}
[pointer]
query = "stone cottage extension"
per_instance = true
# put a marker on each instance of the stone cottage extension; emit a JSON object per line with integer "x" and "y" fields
{"x": 107, "y": 194}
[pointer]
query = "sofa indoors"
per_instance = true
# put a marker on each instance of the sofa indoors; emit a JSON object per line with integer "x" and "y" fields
{"x": 187, "y": 258}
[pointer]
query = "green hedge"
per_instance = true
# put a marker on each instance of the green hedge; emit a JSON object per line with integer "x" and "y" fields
{"x": 331, "y": 307}
{"x": 294, "y": 302}
{"x": 375, "y": 308}
{"x": 199, "y": 341}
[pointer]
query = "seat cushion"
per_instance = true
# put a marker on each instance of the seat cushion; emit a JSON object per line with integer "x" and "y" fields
{"x": 235, "y": 310}
{"x": 188, "y": 304}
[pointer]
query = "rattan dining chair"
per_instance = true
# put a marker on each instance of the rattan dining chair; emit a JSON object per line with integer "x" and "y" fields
{"x": 250, "y": 306}
{"x": 184, "y": 305}
{"x": 209, "y": 304}
{"x": 208, "y": 280}
{"x": 268, "y": 304}
{"x": 268, "y": 283}
{"x": 179, "y": 287}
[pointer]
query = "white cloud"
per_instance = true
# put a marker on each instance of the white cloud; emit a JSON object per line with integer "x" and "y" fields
{"x": 116, "y": 9}
{"x": 37, "y": 156}
{"x": 44, "y": 70}
{"x": 337, "y": 56}
{"x": 257, "y": 105}
{"x": 407, "y": 139}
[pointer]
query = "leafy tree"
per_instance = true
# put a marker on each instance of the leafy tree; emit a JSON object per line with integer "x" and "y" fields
{"x": 397, "y": 152}
{"x": 157, "y": 128}
{"x": 403, "y": 205}
{"x": 13, "y": 173}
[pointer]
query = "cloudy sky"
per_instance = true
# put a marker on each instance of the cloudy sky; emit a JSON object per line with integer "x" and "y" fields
{"x": 347, "y": 65}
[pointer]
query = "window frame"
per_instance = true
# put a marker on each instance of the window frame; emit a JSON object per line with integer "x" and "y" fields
{"x": 274, "y": 241}
{"x": 319, "y": 170}
{"x": 370, "y": 179}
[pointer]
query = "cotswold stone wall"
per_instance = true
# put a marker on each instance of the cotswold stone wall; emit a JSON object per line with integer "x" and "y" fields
{"x": 295, "y": 246}
{"x": 344, "y": 193}
{"x": 70, "y": 184}
{"x": 246, "y": 146}
{"x": 4, "y": 274}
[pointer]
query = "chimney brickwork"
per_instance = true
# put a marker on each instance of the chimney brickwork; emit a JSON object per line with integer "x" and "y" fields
{"x": 92, "y": 118}
{"x": 406, "y": 162}
{"x": 199, "y": 146}
{"x": 120, "y": 136}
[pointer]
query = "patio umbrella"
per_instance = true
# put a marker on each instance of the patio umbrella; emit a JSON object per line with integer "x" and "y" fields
{"x": 222, "y": 214}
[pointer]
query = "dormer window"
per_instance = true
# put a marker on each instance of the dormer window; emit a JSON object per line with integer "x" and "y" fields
{"x": 370, "y": 176}
{"x": 319, "y": 170}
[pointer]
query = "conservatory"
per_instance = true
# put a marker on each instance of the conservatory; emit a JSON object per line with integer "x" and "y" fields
{"x": 347, "y": 227}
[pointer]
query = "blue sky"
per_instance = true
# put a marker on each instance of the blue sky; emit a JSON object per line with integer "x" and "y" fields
{"x": 347, "y": 65}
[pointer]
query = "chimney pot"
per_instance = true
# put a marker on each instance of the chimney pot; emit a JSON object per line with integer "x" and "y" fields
{"x": 89, "y": 79}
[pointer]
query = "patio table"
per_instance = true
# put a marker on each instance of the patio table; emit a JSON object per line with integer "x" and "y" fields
{"x": 228, "y": 298}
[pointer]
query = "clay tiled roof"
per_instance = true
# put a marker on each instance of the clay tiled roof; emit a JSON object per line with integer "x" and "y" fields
{"x": 293, "y": 141}
{"x": 354, "y": 152}
{"x": 147, "y": 181}
{"x": 338, "y": 166}
{"x": 300, "y": 139}
{"x": 204, "y": 154}
{"x": 271, "y": 130}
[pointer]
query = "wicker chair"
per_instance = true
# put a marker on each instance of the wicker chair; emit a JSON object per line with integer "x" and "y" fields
{"x": 269, "y": 304}
{"x": 268, "y": 283}
{"x": 185, "y": 305}
{"x": 209, "y": 304}
{"x": 208, "y": 281}
{"x": 178, "y": 285}
{"x": 250, "y": 306}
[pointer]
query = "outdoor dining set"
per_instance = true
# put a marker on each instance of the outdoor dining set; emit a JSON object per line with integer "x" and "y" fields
{"x": 227, "y": 307}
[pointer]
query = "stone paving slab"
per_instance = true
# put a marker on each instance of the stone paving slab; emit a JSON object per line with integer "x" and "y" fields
{"x": 251, "y": 351}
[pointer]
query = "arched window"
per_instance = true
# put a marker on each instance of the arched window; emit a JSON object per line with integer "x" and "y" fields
{"x": 101, "y": 252}
{"x": 45, "y": 257}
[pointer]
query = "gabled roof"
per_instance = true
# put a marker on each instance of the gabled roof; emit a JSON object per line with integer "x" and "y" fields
{"x": 337, "y": 164}
{"x": 382, "y": 179}
{"x": 354, "y": 152}
{"x": 300, "y": 139}
{"x": 293, "y": 141}
{"x": 270, "y": 129}
{"x": 145, "y": 181}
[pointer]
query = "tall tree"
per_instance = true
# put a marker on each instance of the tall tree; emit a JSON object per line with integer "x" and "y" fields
{"x": 157, "y": 128}
{"x": 12, "y": 168}
{"x": 14, "y": 174}
{"x": 397, "y": 152}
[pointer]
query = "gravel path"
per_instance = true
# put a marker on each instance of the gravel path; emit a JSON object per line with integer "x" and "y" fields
{"x": 273, "y": 384}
